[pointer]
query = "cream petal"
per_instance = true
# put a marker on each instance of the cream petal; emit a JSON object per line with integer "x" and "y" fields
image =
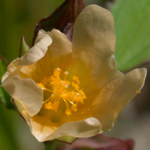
{"x": 26, "y": 91}
{"x": 37, "y": 51}
{"x": 106, "y": 73}
{"x": 40, "y": 131}
{"x": 40, "y": 36}
{"x": 11, "y": 68}
{"x": 58, "y": 54}
{"x": 60, "y": 48}
{"x": 114, "y": 97}
{"x": 94, "y": 43}
{"x": 93, "y": 34}
{"x": 82, "y": 129}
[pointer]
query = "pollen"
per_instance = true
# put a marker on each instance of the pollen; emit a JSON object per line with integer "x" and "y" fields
{"x": 62, "y": 90}
{"x": 138, "y": 92}
{"x": 41, "y": 85}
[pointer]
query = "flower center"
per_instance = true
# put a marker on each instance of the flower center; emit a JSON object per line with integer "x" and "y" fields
{"x": 68, "y": 91}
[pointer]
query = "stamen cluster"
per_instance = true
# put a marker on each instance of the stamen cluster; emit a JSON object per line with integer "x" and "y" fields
{"x": 68, "y": 91}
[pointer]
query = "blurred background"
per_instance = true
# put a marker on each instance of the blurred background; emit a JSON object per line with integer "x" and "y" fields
{"x": 132, "y": 21}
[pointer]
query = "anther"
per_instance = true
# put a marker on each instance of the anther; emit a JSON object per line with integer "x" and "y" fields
{"x": 66, "y": 72}
{"x": 58, "y": 69}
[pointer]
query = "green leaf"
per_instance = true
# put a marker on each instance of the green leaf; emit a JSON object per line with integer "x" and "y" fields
{"x": 132, "y": 29}
{"x": 4, "y": 96}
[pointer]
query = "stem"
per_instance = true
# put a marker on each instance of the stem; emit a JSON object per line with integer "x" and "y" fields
{"x": 52, "y": 145}
{"x": 7, "y": 132}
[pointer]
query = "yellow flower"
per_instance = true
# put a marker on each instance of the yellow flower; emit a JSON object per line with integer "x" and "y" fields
{"x": 72, "y": 90}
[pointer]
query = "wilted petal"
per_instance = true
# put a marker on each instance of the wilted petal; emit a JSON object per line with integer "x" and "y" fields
{"x": 114, "y": 97}
{"x": 37, "y": 51}
{"x": 26, "y": 92}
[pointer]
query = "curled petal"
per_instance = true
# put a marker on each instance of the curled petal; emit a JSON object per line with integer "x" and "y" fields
{"x": 11, "y": 68}
{"x": 26, "y": 92}
{"x": 37, "y": 51}
{"x": 57, "y": 55}
{"x": 82, "y": 129}
{"x": 67, "y": 132}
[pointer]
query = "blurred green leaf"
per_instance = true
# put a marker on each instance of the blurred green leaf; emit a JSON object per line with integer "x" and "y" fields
{"x": 4, "y": 97}
{"x": 132, "y": 27}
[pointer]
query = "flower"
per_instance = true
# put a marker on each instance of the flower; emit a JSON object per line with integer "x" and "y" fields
{"x": 72, "y": 90}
